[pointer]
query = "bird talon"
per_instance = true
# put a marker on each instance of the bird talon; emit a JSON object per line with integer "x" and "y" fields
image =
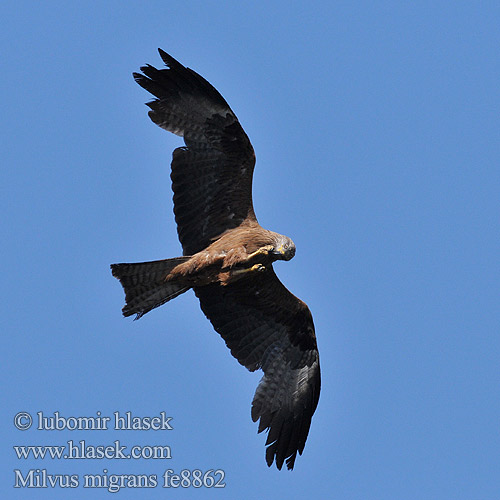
{"x": 261, "y": 251}
{"x": 258, "y": 268}
{"x": 242, "y": 272}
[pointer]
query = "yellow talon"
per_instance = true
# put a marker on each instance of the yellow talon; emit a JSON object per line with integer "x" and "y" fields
{"x": 261, "y": 251}
{"x": 241, "y": 272}
{"x": 258, "y": 267}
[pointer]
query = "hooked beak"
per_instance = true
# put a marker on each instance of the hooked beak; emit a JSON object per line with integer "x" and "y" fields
{"x": 280, "y": 253}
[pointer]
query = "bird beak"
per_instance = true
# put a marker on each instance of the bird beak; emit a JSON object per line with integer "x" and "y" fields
{"x": 279, "y": 252}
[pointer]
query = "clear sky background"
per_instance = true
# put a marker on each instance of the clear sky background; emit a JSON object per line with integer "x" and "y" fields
{"x": 376, "y": 129}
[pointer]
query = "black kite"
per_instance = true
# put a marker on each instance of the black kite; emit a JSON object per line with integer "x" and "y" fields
{"x": 228, "y": 257}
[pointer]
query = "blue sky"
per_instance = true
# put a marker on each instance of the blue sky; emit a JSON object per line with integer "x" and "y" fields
{"x": 376, "y": 129}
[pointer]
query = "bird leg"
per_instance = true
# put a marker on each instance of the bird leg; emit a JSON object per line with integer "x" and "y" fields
{"x": 261, "y": 251}
{"x": 228, "y": 277}
{"x": 254, "y": 268}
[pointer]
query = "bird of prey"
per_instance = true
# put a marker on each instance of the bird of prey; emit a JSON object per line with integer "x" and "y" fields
{"x": 228, "y": 257}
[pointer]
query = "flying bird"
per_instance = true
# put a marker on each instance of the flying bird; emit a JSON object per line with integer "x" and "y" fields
{"x": 228, "y": 257}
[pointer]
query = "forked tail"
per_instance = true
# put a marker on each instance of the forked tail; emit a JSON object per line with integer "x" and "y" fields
{"x": 145, "y": 286}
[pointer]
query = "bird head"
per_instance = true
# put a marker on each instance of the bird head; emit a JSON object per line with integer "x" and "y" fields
{"x": 284, "y": 248}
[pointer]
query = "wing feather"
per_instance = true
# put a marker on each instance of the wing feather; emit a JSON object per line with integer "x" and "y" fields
{"x": 212, "y": 175}
{"x": 267, "y": 327}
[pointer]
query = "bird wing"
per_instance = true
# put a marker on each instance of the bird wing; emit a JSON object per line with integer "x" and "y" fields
{"x": 265, "y": 326}
{"x": 212, "y": 175}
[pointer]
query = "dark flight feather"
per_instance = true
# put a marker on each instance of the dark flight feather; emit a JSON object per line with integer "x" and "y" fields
{"x": 212, "y": 176}
{"x": 267, "y": 327}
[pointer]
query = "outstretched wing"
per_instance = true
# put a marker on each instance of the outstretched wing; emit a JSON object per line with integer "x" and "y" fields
{"x": 212, "y": 175}
{"x": 267, "y": 327}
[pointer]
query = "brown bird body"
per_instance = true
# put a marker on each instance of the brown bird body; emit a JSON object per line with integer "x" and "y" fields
{"x": 228, "y": 258}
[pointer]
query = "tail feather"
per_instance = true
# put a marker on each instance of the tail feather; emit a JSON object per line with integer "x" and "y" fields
{"x": 145, "y": 285}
